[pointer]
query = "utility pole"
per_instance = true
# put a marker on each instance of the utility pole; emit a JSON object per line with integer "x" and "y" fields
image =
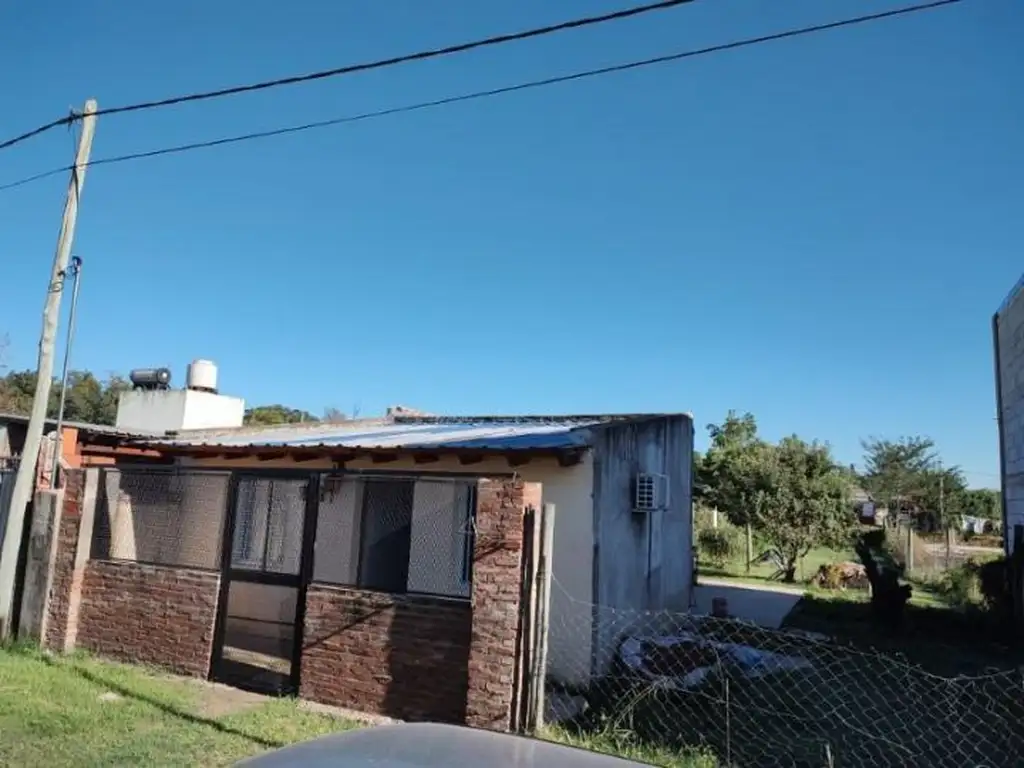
{"x": 942, "y": 517}
{"x": 25, "y": 480}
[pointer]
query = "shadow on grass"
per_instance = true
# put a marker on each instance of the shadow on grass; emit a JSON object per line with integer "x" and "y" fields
{"x": 940, "y": 639}
{"x": 129, "y": 693}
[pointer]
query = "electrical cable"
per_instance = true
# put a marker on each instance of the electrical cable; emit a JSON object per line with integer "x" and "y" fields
{"x": 579, "y": 23}
{"x": 490, "y": 92}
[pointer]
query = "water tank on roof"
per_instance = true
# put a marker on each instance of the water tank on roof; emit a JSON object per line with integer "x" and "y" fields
{"x": 150, "y": 378}
{"x": 202, "y": 376}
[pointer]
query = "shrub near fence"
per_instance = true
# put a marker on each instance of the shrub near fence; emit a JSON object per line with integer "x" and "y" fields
{"x": 684, "y": 685}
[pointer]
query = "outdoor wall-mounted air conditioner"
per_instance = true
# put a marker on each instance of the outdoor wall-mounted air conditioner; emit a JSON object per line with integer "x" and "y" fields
{"x": 650, "y": 492}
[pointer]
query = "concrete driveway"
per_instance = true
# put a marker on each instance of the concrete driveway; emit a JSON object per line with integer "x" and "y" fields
{"x": 767, "y": 605}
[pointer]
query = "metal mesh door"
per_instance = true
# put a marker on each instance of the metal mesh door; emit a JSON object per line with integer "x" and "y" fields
{"x": 269, "y": 517}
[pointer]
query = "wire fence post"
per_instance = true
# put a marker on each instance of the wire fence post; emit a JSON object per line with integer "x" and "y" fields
{"x": 543, "y": 601}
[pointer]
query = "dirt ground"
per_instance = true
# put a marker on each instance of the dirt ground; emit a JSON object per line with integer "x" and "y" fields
{"x": 217, "y": 700}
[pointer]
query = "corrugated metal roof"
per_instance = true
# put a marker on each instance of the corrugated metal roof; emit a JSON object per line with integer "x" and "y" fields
{"x": 492, "y": 435}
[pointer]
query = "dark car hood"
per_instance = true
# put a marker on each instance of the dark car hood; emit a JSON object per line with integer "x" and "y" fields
{"x": 427, "y": 745}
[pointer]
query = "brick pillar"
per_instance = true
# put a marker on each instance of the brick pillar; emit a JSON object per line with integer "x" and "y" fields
{"x": 67, "y": 559}
{"x": 497, "y": 573}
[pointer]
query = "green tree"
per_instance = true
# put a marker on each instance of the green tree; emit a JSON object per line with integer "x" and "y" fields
{"x": 942, "y": 499}
{"x": 277, "y": 414}
{"x": 89, "y": 399}
{"x": 801, "y": 499}
{"x": 17, "y": 390}
{"x": 985, "y": 503}
{"x": 719, "y": 477}
{"x": 896, "y": 472}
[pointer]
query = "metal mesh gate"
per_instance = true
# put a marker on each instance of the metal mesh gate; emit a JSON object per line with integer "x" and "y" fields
{"x": 261, "y": 592}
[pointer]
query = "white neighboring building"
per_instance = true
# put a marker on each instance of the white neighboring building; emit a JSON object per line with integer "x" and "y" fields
{"x": 1008, "y": 333}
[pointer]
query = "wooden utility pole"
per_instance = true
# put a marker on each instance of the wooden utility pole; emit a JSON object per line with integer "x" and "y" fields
{"x": 942, "y": 517}
{"x": 25, "y": 481}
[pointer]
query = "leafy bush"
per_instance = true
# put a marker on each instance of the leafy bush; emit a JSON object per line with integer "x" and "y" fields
{"x": 994, "y": 578}
{"x": 717, "y": 545}
{"x": 830, "y": 576}
{"x": 961, "y": 586}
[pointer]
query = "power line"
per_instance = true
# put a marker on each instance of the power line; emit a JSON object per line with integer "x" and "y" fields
{"x": 490, "y": 92}
{"x": 587, "y": 21}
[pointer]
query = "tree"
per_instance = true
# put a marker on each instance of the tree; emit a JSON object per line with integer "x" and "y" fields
{"x": 333, "y": 415}
{"x": 719, "y": 475}
{"x": 942, "y": 498}
{"x": 277, "y": 414}
{"x": 801, "y": 499}
{"x": 88, "y": 399}
{"x": 985, "y": 503}
{"x": 896, "y": 471}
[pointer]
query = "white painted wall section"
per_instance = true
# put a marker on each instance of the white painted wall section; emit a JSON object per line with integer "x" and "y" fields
{"x": 163, "y": 410}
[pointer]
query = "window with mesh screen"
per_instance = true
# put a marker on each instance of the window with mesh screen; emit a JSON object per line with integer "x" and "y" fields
{"x": 396, "y": 534}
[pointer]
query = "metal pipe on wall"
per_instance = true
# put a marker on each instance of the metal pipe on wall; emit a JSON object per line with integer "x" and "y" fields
{"x": 73, "y": 271}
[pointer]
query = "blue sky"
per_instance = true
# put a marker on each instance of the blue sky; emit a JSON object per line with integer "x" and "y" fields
{"x": 816, "y": 230}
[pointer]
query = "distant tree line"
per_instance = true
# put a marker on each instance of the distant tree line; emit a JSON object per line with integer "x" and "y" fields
{"x": 281, "y": 414}
{"x": 94, "y": 401}
{"x": 795, "y": 496}
{"x": 89, "y": 399}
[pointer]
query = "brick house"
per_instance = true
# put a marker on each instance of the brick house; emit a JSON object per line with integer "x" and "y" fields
{"x": 378, "y": 564}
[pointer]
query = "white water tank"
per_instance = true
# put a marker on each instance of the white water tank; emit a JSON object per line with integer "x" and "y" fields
{"x": 202, "y": 376}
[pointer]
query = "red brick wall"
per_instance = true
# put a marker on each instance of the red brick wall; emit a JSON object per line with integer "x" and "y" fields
{"x": 402, "y": 656}
{"x": 497, "y": 572}
{"x": 64, "y": 586}
{"x": 418, "y": 658}
{"x": 149, "y": 614}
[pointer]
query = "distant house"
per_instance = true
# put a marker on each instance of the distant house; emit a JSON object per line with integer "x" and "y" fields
{"x": 868, "y": 512}
{"x": 375, "y": 563}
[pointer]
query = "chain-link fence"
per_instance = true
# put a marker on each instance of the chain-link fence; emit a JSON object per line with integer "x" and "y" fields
{"x": 678, "y": 685}
{"x": 396, "y": 534}
{"x": 932, "y": 556}
{"x": 162, "y": 517}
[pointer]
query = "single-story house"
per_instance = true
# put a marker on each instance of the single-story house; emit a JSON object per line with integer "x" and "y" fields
{"x": 366, "y": 563}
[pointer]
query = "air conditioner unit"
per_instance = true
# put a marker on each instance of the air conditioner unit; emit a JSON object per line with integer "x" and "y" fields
{"x": 650, "y": 492}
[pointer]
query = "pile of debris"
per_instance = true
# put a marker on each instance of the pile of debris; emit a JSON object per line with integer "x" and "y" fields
{"x": 841, "y": 576}
{"x": 684, "y": 661}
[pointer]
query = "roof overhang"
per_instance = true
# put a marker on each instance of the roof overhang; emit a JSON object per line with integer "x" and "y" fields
{"x": 339, "y": 455}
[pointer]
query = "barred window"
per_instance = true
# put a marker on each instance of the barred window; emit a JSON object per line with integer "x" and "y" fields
{"x": 396, "y": 535}
{"x": 160, "y": 516}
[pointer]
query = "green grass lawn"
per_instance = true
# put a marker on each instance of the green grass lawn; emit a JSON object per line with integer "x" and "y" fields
{"x": 624, "y": 743}
{"x": 79, "y": 711}
{"x": 736, "y": 568}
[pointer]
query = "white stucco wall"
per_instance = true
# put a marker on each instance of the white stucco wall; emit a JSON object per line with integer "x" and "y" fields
{"x": 162, "y": 410}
